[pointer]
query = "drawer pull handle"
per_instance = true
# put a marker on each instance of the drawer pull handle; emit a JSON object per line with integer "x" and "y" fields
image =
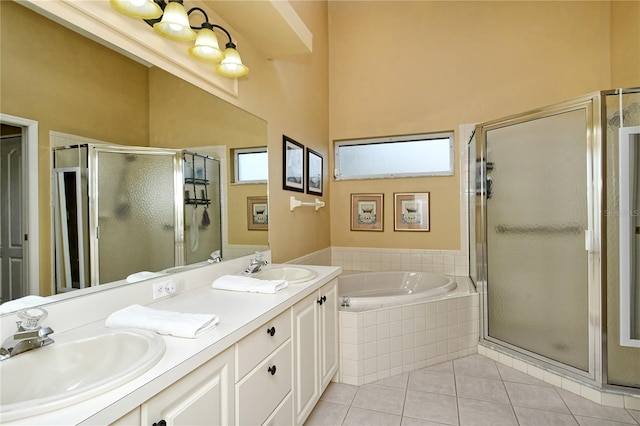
{"x": 322, "y": 299}
{"x": 160, "y": 423}
{"x": 272, "y": 370}
{"x": 271, "y": 331}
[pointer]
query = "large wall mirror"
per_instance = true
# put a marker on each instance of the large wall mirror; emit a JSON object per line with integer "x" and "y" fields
{"x": 76, "y": 88}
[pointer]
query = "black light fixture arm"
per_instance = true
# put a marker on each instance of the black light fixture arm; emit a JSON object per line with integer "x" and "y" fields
{"x": 209, "y": 25}
{"x": 205, "y": 24}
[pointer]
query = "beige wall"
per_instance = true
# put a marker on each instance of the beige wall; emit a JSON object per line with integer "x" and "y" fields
{"x": 625, "y": 43}
{"x": 75, "y": 89}
{"x": 404, "y": 67}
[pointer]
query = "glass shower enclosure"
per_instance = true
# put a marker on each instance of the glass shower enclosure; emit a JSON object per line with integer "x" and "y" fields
{"x": 544, "y": 247}
{"x": 121, "y": 210}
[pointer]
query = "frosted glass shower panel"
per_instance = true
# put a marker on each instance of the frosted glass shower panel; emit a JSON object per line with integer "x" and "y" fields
{"x": 136, "y": 219}
{"x": 537, "y": 274}
{"x": 629, "y": 236}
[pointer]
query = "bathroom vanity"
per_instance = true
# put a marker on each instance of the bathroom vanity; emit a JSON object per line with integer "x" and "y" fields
{"x": 266, "y": 362}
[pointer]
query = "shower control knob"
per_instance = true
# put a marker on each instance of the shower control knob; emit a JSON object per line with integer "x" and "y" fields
{"x": 271, "y": 331}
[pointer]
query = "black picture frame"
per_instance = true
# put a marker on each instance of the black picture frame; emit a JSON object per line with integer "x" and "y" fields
{"x": 314, "y": 172}
{"x": 292, "y": 165}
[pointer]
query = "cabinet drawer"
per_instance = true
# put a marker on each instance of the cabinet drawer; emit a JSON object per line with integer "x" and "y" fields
{"x": 283, "y": 416}
{"x": 258, "y": 345}
{"x": 260, "y": 392}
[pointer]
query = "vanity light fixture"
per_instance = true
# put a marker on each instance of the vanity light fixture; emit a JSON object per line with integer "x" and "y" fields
{"x": 172, "y": 20}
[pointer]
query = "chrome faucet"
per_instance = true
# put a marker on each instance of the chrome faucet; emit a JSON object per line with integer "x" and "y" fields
{"x": 29, "y": 335}
{"x": 215, "y": 257}
{"x": 256, "y": 263}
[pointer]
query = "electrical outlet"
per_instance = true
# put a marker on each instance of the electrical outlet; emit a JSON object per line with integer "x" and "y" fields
{"x": 163, "y": 289}
{"x": 159, "y": 290}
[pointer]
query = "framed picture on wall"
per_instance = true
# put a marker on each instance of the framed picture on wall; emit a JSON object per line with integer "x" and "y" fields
{"x": 411, "y": 211}
{"x": 314, "y": 172}
{"x": 367, "y": 212}
{"x": 292, "y": 165}
{"x": 257, "y": 213}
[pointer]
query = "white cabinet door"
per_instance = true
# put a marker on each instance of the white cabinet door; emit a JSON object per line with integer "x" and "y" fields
{"x": 203, "y": 397}
{"x": 306, "y": 356}
{"x": 329, "y": 332}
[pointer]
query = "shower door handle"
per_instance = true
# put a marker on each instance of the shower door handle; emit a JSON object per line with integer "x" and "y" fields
{"x": 587, "y": 240}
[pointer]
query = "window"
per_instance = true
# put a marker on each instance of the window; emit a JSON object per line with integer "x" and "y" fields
{"x": 398, "y": 156}
{"x": 250, "y": 165}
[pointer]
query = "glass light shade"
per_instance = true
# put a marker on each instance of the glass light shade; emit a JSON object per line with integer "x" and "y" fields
{"x": 175, "y": 23}
{"x": 231, "y": 65}
{"x": 145, "y": 9}
{"x": 206, "y": 47}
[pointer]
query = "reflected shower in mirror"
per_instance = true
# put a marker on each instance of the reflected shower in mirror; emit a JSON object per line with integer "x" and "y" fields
{"x": 77, "y": 86}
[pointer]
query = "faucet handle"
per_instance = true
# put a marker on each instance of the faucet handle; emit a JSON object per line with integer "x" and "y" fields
{"x": 31, "y": 318}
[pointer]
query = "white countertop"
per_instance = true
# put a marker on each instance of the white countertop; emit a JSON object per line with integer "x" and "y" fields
{"x": 240, "y": 313}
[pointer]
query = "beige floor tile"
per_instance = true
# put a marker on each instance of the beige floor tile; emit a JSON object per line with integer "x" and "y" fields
{"x": 531, "y": 417}
{"x": 592, "y": 421}
{"x": 380, "y": 398}
{"x": 431, "y": 407}
{"x": 481, "y": 389}
{"x": 427, "y": 381}
{"x": 408, "y": 421}
{"x": 359, "y": 416}
{"x": 443, "y": 367}
{"x": 583, "y": 407}
{"x": 339, "y": 393}
{"x": 397, "y": 381}
{"x": 483, "y": 413}
{"x": 509, "y": 374}
{"x": 476, "y": 366}
{"x": 538, "y": 397}
{"x": 635, "y": 414}
{"x": 327, "y": 414}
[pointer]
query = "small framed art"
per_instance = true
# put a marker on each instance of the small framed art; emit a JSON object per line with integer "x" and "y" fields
{"x": 257, "y": 214}
{"x": 292, "y": 165}
{"x": 411, "y": 211}
{"x": 367, "y": 212}
{"x": 314, "y": 172}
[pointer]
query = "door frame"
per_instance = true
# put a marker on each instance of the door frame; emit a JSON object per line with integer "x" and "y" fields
{"x": 591, "y": 104}
{"x": 30, "y": 201}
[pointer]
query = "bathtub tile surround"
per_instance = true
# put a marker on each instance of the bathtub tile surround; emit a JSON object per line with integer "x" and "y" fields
{"x": 447, "y": 262}
{"x": 380, "y": 343}
{"x": 473, "y": 390}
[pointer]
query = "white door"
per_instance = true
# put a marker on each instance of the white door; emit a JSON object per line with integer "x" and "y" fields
{"x": 12, "y": 266}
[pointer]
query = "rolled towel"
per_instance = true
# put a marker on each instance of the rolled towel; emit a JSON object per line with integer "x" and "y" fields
{"x": 176, "y": 324}
{"x": 248, "y": 284}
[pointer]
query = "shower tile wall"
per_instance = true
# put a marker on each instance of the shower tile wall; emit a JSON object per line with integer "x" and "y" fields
{"x": 388, "y": 341}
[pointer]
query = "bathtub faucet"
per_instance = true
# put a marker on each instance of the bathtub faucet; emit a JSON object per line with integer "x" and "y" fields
{"x": 29, "y": 335}
{"x": 256, "y": 263}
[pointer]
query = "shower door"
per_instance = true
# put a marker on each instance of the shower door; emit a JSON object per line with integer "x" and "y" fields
{"x": 537, "y": 245}
{"x": 135, "y": 210}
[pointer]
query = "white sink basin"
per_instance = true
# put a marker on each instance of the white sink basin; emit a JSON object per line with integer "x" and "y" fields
{"x": 293, "y": 274}
{"x": 78, "y": 366}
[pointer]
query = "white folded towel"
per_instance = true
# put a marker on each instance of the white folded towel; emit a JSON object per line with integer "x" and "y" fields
{"x": 248, "y": 284}
{"x": 163, "y": 322}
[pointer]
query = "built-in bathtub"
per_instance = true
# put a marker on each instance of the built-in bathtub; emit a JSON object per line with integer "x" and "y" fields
{"x": 395, "y": 322}
{"x": 373, "y": 290}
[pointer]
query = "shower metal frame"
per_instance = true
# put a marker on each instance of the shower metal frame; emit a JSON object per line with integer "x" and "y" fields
{"x": 594, "y": 109}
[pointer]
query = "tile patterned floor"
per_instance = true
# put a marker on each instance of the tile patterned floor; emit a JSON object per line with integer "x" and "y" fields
{"x": 470, "y": 391}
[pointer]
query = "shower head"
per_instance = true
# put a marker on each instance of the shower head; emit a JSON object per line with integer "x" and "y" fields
{"x": 627, "y": 114}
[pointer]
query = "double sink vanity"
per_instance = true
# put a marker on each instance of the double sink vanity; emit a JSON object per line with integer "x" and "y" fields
{"x": 266, "y": 362}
